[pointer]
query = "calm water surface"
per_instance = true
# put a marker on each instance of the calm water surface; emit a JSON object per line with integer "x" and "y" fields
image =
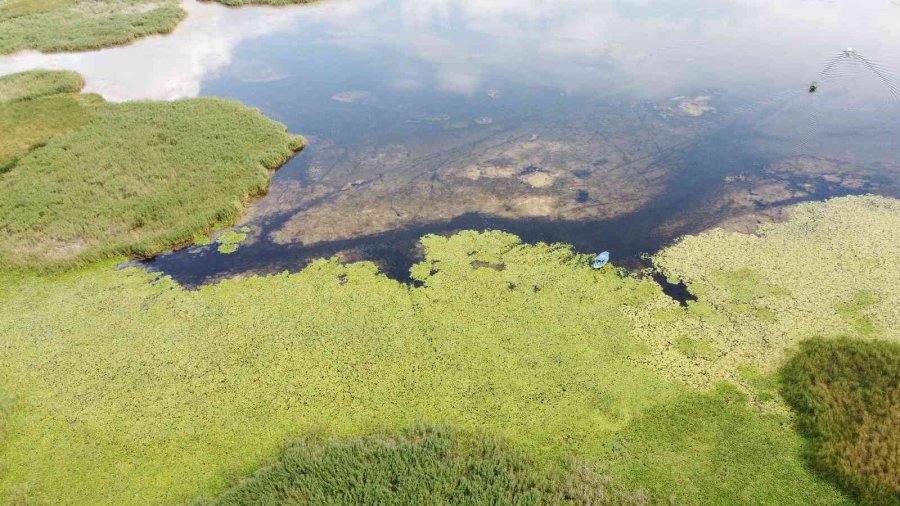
{"x": 616, "y": 125}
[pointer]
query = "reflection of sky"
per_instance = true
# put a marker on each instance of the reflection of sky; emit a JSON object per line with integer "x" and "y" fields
{"x": 651, "y": 47}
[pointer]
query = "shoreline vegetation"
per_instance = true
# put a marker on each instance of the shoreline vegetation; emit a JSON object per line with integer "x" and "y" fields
{"x": 168, "y": 171}
{"x": 79, "y": 25}
{"x": 590, "y": 378}
{"x": 52, "y": 26}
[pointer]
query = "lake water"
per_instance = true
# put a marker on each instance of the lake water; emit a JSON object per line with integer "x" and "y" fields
{"x": 616, "y": 125}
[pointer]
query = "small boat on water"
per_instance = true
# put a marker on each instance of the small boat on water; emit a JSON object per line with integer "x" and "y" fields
{"x": 601, "y": 260}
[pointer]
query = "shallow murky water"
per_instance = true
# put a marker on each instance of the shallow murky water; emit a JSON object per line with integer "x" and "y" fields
{"x": 615, "y": 125}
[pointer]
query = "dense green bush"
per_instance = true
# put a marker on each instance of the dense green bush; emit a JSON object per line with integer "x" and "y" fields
{"x": 847, "y": 396}
{"x": 422, "y": 465}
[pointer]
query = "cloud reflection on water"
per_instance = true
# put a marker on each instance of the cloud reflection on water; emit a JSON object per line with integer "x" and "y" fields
{"x": 458, "y": 46}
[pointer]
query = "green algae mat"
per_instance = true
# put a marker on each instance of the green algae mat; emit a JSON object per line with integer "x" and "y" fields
{"x": 588, "y": 386}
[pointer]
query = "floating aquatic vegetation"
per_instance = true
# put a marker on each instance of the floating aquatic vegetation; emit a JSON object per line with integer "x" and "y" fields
{"x": 761, "y": 294}
{"x": 229, "y": 241}
{"x": 257, "y": 71}
{"x": 120, "y": 369}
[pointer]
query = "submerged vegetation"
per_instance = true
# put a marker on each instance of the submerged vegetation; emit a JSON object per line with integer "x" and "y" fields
{"x": 126, "y": 370}
{"x": 74, "y": 25}
{"x": 124, "y": 179}
{"x": 847, "y": 394}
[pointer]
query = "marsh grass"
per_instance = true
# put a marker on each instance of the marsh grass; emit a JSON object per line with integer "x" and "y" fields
{"x": 29, "y": 124}
{"x": 422, "y": 465}
{"x": 425, "y": 465}
{"x": 136, "y": 179}
{"x": 76, "y": 25}
{"x": 847, "y": 397}
{"x": 38, "y": 83}
{"x": 37, "y": 105}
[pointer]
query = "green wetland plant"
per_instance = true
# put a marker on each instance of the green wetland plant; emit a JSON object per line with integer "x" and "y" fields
{"x": 136, "y": 179}
{"x": 121, "y": 369}
{"x": 847, "y": 397}
{"x": 38, "y": 83}
{"x": 77, "y": 25}
{"x": 36, "y": 106}
{"x": 423, "y": 465}
{"x": 230, "y": 240}
{"x": 830, "y": 271}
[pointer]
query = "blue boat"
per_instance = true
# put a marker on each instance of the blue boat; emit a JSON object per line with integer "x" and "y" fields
{"x": 601, "y": 260}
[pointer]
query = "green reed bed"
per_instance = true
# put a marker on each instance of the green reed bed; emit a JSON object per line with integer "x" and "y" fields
{"x": 29, "y": 125}
{"x": 424, "y": 465}
{"x": 76, "y": 25}
{"x": 127, "y": 179}
{"x": 38, "y": 83}
{"x": 35, "y": 106}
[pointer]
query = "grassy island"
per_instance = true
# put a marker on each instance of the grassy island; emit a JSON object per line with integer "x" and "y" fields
{"x": 52, "y": 26}
{"x": 85, "y": 180}
{"x": 121, "y": 384}
{"x": 76, "y": 25}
